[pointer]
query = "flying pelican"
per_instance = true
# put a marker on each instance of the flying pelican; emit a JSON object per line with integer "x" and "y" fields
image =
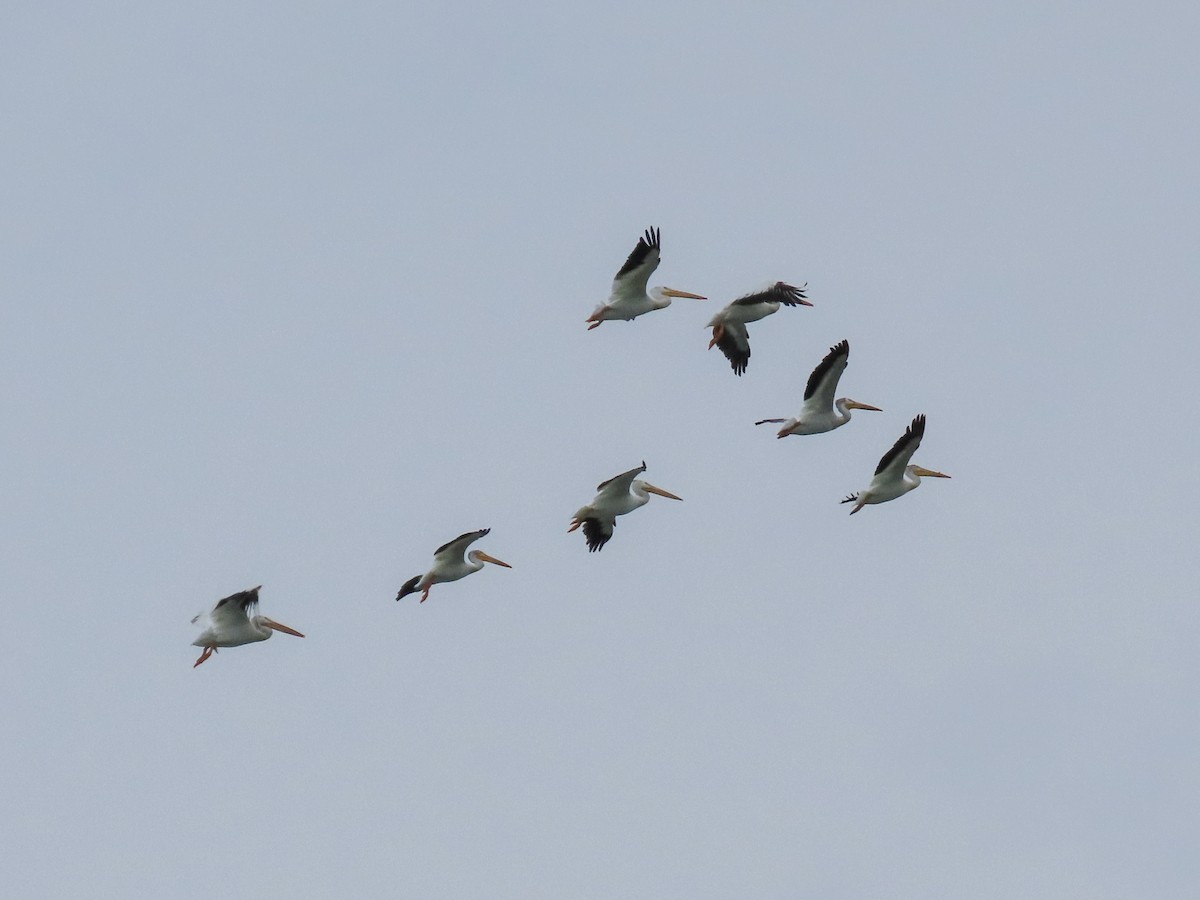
{"x": 818, "y": 414}
{"x": 230, "y": 624}
{"x": 450, "y": 565}
{"x": 894, "y": 477}
{"x": 729, "y": 325}
{"x": 629, "y": 299}
{"x": 619, "y": 495}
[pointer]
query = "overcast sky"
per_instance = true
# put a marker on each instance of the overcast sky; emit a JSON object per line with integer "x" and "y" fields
{"x": 295, "y": 293}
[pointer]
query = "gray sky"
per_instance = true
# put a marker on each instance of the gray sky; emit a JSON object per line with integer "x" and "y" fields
{"x": 294, "y": 295}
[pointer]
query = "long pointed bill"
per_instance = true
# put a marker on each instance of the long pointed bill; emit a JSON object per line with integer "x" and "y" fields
{"x": 271, "y": 623}
{"x": 854, "y": 404}
{"x": 671, "y": 292}
{"x": 491, "y": 559}
{"x": 657, "y": 490}
{"x": 929, "y": 473}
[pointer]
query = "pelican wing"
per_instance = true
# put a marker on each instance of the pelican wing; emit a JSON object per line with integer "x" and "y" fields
{"x": 455, "y": 551}
{"x": 631, "y": 281}
{"x": 618, "y": 485}
{"x": 598, "y": 532}
{"x": 895, "y": 461}
{"x": 779, "y": 292}
{"x": 823, "y": 382}
{"x": 734, "y": 342}
{"x": 230, "y": 612}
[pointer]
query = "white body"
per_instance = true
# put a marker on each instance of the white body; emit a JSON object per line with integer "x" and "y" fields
{"x": 733, "y": 314}
{"x": 887, "y": 486}
{"x": 627, "y": 305}
{"x": 814, "y": 420}
{"x": 234, "y": 634}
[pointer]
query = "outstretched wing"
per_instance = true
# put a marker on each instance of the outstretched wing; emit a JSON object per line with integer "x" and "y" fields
{"x": 823, "y": 382}
{"x": 618, "y": 485}
{"x": 635, "y": 274}
{"x": 779, "y": 292}
{"x": 232, "y": 611}
{"x": 455, "y": 551}
{"x": 895, "y": 461}
{"x": 734, "y": 342}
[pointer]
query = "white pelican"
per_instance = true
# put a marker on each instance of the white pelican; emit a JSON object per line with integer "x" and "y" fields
{"x": 449, "y": 564}
{"x": 619, "y": 495}
{"x": 894, "y": 477}
{"x": 729, "y": 325}
{"x": 230, "y": 624}
{"x": 818, "y": 414}
{"x": 629, "y": 299}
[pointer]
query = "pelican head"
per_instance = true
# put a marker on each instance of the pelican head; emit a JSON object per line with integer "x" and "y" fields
{"x": 480, "y": 556}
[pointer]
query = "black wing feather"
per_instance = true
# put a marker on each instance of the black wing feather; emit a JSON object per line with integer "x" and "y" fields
{"x": 473, "y": 535}
{"x": 595, "y": 534}
{"x": 642, "y": 468}
{"x": 646, "y": 243}
{"x": 780, "y": 292}
{"x": 738, "y": 356}
{"x": 823, "y": 367}
{"x": 244, "y": 599}
{"x": 914, "y": 432}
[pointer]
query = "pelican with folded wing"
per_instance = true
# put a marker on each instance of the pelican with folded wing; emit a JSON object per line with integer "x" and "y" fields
{"x": 230, "y": 624}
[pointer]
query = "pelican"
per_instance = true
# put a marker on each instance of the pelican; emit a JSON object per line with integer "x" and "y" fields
{"x": 818, "y": 414}
{"x": 619, "y": 495}
{"x": 729, "y": 325}
{"x": 230, "y": 624}
{"x": 894, "y": 477}
{"x": 449, "y": 564}
{"x": 629, "y": 298}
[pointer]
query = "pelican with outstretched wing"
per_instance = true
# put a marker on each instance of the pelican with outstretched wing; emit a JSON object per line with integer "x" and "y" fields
{"x": 894, "y": 477}
{"x": 821, "y": 412}
{"x": 629, "y": 298}
{"x": 450, "y": 563}
{"x": 619, "y": 495}
{"x": 729, "y": 325}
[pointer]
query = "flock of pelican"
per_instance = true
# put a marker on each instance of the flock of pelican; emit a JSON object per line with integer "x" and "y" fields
{"x": 231, "y": 621}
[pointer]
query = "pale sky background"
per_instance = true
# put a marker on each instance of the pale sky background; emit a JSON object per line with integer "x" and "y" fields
{"x": 294, "y": 293}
